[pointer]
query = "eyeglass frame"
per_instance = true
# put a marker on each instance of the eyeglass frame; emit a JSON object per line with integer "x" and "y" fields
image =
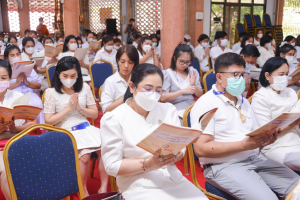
{"x": 152, "y": 90}
{"x": 235, "y": 77}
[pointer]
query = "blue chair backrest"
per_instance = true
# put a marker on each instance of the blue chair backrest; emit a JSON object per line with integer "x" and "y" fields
{"x": 189, "y": 119}
{"x": 100, "y": 72}
{"x": 257, "y": 20}
{"x": 267, "y": 20}
{"x": 51, "y": 72}
{"x": 43, "y": 166}
{"x": 196, "y": 65}
{"x": 210, "y": 62}
{"x": 210, "y": 80}
{"x": 249, "y": 22}
{"x": 240, "y": 28}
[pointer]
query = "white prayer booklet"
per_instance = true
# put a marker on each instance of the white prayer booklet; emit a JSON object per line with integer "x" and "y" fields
{"x": 23, "y": 100}
{"x": 80, "y": 53}
{"x": 25, "y": 67}
{"x": 295, "y": 72}
{"x": 87, "y": 138}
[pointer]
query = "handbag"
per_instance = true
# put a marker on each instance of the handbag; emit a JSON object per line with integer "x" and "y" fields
{"x": 105, "y": 196}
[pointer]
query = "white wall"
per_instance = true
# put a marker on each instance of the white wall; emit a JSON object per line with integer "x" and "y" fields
{"x": 270, "y": 9}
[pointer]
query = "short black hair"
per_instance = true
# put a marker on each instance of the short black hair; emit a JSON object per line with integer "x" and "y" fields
{"x": 245, "y": 38}
{"x": 242, "y": 34}
{"x": 67, "y": 40}
{"x": 250, "y": 50}
{"x": 26, "y": 31}
{"x": 289, "y": 38}
{"x": 270, "y": 66}
{"x": 228, "y": 59}
{"x": 269, "y": 32}
{"x": 285, "y": 49}
{"x": 220, "y": 34}
{"x": 34, "y": 32}
{"x": 64, "y": 64}
{"x": 131, "y": 52}
{"x": 107, "y": 39}
{"x": 25, "y": 40}
{"x": 202, "y": 37}
{"x": 137, "y": 36}
{"x": 132, "y": 20}
{"x": 117, "y": 40}
{"x": 265, "y": 39}
{"x": 5, "y": 64}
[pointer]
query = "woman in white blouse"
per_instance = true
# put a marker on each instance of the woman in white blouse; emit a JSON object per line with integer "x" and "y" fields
{"x": 114, "y": 87}
{"x": 68, "y": 104}
{"x": 181, "y": 82}
{"x": 247, "y": 39}
{"x": 202, "y": 52}
{"x": 141, "y": 175}
{"x": 8, "y": 129}
{"x": 69, "y": 48}
{"x": 273, "y": 99}
{"x": 266, "y": 50}
{"x": 259, "y": 34}
{"x": 147, "y": 53}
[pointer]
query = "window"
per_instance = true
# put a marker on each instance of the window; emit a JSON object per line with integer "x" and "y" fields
{"x": 226, "y": 13}
{"x": 291, "y": 11}
{"x": 13, "y": 16}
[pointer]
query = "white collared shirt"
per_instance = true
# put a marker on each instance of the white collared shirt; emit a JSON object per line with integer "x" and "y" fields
{"x": 216, "y": 52}
{"x": 268, "y": 104}
{"x": 236, "y": 46}
{"x": 199, "y": 53}
{"x": 256, "y": 43}
{"x": 264, "y": 56}
{"x": 150, "y": 60}
{"x": 102, "y": 54}
{"x": 135, "y": 44}
{"x": 113, "y": 88}
{"x": 226, "y": 125}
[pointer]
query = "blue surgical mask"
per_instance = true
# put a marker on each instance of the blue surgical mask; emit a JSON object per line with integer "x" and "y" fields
{"x": 90, "y": 39}
{"x": 6, "y": 40}
{"x": 154, "y": 44}
{"x": 248, "y": 67}
{"x": 235, "y": 87}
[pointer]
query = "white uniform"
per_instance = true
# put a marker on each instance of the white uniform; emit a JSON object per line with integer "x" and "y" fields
{"x": 264, "y": 56}
{"x": 217, "y": 51}
{"x": 102, "y": 54}
{"x": 199, "y": 53}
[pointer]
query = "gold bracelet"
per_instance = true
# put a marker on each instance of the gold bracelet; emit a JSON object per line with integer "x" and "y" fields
{"x": 144, "y": 168}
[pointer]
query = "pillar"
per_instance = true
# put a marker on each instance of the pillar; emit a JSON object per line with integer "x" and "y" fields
{"x": 172, "y": 31}
{"x": 71, "y": 17}
{"x": 24, "y": 17}
{"x": 195, "y": 27}
{"x": 280, "y": 12}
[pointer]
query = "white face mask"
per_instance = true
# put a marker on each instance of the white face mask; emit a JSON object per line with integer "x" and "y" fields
{"x": 61, "y": 43}
{"x": 72, "y": 46}
{"x": 147, "y": 48}
{"x": 147, "y": 100}
{"x": 109, "y": 48}
{"x": 14, "y": 60}
{"x": 289, "y": 58}
{"x": 293, "y": 44}
{"x": 248, "y": 43}
{"x": 260, "y": 35}
{"x": 50, "y": 44}
{"x": 80, "y": 46}
{"x": 90, "y": 39}
{"x": 29, "y": 50}
{"x": 280, "y": 82}
{"x": 68, "y": 82}
{"x": 116, "y": 47}
{"x": 224, "y": 43}
{"x": 4, "y": 85}
{"x": 268, "y": 45}
{"x": 204, "y": 44}
{"x": 120, "y": 37}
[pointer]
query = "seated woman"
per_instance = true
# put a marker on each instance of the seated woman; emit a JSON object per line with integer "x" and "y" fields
{"x": 181, "y": 81}
{"x": 156, "y": 44}
{"x": 265, "y": 50}
{"x": 8, "y": 129}
{"x": 137, "y": 40}
{"x": 247, "y": 39}
{"x": 259, "y": 34}
{"x": 202, "y": 52}
{"x": 289, "y": 40}
{"x": 107, "y": 52}
{"x": 79, "y": 41}
{"x": 141, "y": 175}
{"x": 22, "y": 83}
{"x": 288, "y": 52}
{"x": 91, "y": 53}
{"x": 273, "y": 99}
{"x": 12, "y": 40}
{"x": 147, "y": 53}
{"x": 117, "y": 44}
{"x": 69, "y": 103}
{"x": 114, "y": 87}
{"x": 69, "y": 48}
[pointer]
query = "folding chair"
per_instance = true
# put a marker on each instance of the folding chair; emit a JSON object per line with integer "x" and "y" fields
{"x": 209, "y": 79}
{"x": 50, "y": 73}
{"x": 239, "y": 28}
{"x": 43, "y": 166}
{"x": 196, "y": 65}
{"x": 209, "y": 63}
{"x": 277, "y": 29}
{"x": 249, "y": 25}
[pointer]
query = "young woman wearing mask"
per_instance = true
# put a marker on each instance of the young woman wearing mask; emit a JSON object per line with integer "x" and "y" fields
{"x": 107, "y": 52}
{"x": 8, "y": 129}
{"x": 259, "y": 34}
{"x": 117, "y": 44}
{"x": 79, "y": 41}
{"x": 202, "y": 52}
{"x": 69, "y": 48}
{"x": 141, "y": 175}
{"x": 155, "y": 44}
{"x": 4, "y": 44}
{"x": 114, "y": 87}
{"x": 273, "y": 99}
{"x": 89, "y": 39}
{"x": 266, "y": 50}
{"x": 22, "y": 83}
{"x": 181, "y": 81}
{"x": 69, "y": 103}
{"x": 247, "y": 39}
{"x": 12, "y": 40}
{"x": 147, "y": 53}
{"x": 289, "y": 40}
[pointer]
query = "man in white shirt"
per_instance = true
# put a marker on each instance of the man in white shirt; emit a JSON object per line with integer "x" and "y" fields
{"x": 187, "y": 40}
{"x": 26, "y": 32}
{"x": 232, "y": 161}
{"x": 250, "y": 54}
{"x": 237, "y": 45}
{"x": 221, "y": 37}
{"x": 38, "y": 46}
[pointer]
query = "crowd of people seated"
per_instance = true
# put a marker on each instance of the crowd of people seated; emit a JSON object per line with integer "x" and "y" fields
{"x": 142, "y": 92}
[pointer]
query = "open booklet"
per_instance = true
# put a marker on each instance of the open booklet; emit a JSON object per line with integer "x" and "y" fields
{"x": 87, "y": 138}
{"x": 22, "y": 67}
{"x": 295, "y": 72}
{"x": 51, "y": 51}
{"x": 172, "y": 139}
{"x": 280, "y": 122}
{"x": 38, "y": 61}
{"x": 80, "y": 53}
{"x": 20, "y": 109}
{"x": 95, "y": 45}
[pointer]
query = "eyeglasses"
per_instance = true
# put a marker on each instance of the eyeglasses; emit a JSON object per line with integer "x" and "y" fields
{"x": 184, "y": 63}
{"x": 151, "y": 89}
{"x": 237, "y": 75}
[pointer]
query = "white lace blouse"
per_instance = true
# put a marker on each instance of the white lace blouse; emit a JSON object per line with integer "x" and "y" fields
{"x": 56, "y": 102}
